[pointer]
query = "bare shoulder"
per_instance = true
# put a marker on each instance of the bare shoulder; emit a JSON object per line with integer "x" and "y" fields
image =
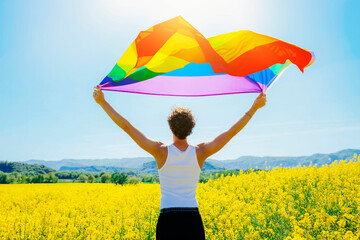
{"x": 161, "y": 155}
{"x": 201, "y": 148}
{"x": 161, "y": 148}
{"x": 200, "y": 154}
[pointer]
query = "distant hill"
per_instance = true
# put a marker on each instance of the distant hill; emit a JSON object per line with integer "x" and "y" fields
{"x": 139, "y": 165}
{"x": 151, "y": 167}
{"x": 109, "y": 162}
{"x": 147, "y": 168}
{"x": 8, "y": 167}
{"x": 246, "y": 162}
{"x": 148, "y": 165}
{"x": 96, "y": 169}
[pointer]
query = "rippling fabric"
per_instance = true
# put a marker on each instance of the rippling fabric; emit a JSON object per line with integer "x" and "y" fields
{"x": 173, "y": 58}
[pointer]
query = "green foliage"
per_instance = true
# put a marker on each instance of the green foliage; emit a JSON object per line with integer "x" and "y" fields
{"x": 91, "y": 178}
{"x": 82, "y": 178}
{"x": 119, "y": 178}
{"x": 11, "y": 179}
{"x": 149, "y": 178}
{"x": 205, "y": 176}
{"x": 16, "y": 177}
{"x": 97, "y": 180}
{"x": 67, "y": 175}
{"x": 38, "y": 179}
{"x": 105, "y": 178}
{"x": 50, "y": 178}
{"x": 134, "y": 180}
{"x": 27, "y": 169}
{"x": 3, "y": 177}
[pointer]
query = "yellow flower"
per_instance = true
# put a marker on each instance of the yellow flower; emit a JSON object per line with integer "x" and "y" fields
{"x": 302, "y": 202}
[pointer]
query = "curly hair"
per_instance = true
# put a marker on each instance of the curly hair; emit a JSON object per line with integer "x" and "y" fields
{"x": 181, "y": 122}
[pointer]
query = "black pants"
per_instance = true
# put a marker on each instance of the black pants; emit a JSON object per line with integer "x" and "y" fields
{"x": 180, "y": 223}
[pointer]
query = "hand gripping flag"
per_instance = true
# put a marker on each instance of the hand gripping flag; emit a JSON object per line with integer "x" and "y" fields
{"x": 174, "y": 59}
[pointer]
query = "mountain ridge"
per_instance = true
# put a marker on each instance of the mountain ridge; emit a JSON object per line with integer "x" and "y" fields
{"x": 146, "y": 164}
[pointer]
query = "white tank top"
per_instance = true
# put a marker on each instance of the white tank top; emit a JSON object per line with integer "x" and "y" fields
{"x": 179, "y": 178}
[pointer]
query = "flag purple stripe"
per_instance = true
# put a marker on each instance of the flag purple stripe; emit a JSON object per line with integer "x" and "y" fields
{"x": 190, "y": 86}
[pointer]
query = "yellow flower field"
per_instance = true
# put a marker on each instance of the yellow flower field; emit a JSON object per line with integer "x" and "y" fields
{"x": 297, "y": 203}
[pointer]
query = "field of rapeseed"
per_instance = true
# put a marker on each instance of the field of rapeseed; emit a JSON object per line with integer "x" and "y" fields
{"x": 298, "y": 203}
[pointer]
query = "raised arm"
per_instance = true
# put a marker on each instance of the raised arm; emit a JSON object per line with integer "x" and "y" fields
{"x": 149, "y": 145}
{"x": 207, "y": 149}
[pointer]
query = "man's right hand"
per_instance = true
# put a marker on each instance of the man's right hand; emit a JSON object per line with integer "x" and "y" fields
{"x": 260, "y": 101}
{"x": 98, "y": 95}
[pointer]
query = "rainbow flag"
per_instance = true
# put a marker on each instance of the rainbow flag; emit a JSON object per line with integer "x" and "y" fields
{"x": 174, "y": 59}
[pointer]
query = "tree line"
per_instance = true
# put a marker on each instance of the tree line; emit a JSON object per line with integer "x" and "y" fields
{"x": 27, "y": 169}
{"x": 15, "y": 172}
{"x": 206, "y": 176}
{"x": 16, "y": 177}
{"x": 116, "y": 178}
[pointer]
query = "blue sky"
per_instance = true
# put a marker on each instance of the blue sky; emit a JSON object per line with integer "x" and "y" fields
{"x": 52, "y": 53}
